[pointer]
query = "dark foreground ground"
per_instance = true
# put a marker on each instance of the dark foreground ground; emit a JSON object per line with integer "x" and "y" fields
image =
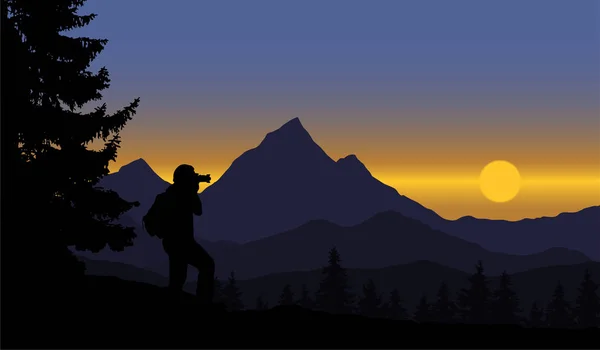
{"x": 122, "y": 314}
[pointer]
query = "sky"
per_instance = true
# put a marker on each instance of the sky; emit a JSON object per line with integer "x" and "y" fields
{"x": 424, "y": 92}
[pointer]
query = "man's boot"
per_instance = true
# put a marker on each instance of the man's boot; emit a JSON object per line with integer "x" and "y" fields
{"x": 205, "y": 294}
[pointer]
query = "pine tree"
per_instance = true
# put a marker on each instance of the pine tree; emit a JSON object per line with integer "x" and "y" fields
{"x": 287, "y": 296}
{"x": 232, "y": 294}
{"x": 536, "y": 316}
{"x": 46, "y": 138}
{"x": 587, "y": 304}
{"x": 218, "y": 296}
{"x": 505, "y": 304}
{"x": 305, "y": 301}
{"x": 444, "y": 309}
{"x": 370, "y": 303}
{"x": 558, "y": 312}
{"x": 393, "y": 308}
{"x": 475, "y": 301}
{"x": 333, "y": 295}
{"x": 423, "y": 312}
{"x": 261, "y": 305}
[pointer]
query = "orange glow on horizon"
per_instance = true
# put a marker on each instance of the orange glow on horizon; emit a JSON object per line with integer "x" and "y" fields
{"x": 437, "y": 165}
{"x": 455, "y": 196}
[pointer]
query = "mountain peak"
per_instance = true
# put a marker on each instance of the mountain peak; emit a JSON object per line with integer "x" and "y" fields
{"x": 293, "y": 123}
{"x": 292, "y": 127}
{"x": 291, "y": 134}
{"x": 138, "y": 166}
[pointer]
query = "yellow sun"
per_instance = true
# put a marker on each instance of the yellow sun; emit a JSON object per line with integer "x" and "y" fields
{"x": 500, "y": 181}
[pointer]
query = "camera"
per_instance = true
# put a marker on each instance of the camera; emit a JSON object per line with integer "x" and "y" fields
{"x": 203, "y": 178}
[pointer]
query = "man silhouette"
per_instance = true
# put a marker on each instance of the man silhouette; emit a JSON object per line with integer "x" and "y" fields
{"x": 179, "y": 244}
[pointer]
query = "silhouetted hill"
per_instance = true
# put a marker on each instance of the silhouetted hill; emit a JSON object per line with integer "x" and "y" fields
{"x": 113, "y": 313}
{"x": 123, "y": 271}
{"x": 386, "y": 239}
{"x": 288, "y": 180}
{"x": 412, "y": 280}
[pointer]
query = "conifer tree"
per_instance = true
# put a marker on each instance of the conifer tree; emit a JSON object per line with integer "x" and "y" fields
{"x": 505, "y": 304}
{"x": 232, "y": 294}
{"x": 587, "y": 304}
{"x": 393, "y": 308}
{"x": 370, "y": 303}
{"x": 305, "y": 301}
{"x": 333, "y": 295}
{"x": 423, "y": 312}
{"x": 444, "y": 309}
{"x": 218, "y": 296}
{"x": 536, "y": 316}
{"x": 45, "y": 143}
{"x": 558, "y": 311}
{"x": 261, "y": 305}
{"x": 475, "y": 301}
{"x": 287, "y": 296}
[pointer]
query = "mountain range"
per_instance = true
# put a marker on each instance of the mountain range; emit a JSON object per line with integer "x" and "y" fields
{"x": 288, "y": 180}
{"x": 387, "y": 238}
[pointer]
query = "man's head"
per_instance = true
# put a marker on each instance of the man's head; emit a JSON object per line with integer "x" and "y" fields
{"x": 184, "y": 174}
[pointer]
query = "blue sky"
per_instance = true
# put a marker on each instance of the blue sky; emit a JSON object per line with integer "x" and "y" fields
{"x": 376, "y": 49}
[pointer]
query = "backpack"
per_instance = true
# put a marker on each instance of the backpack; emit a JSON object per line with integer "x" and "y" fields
{"x": 156, "y": 221}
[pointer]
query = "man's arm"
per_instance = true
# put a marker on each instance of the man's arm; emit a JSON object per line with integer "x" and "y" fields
{"x": 196, "y": 205}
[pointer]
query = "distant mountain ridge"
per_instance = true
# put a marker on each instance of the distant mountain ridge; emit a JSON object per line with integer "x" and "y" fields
{"x": 288, "y": 180}
{"x": 136, "y": 181}
{"x": 574, "y": 230}
{"x": 386, "y": 239}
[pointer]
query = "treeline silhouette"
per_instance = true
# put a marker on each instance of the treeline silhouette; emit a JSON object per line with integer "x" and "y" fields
{"x": 479, "y": 303}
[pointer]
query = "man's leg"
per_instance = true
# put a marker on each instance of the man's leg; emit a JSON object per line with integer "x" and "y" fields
{"x": 177, "y": 266}
{"x": 201, "y": 260}
{"x": 177, "y": 274}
